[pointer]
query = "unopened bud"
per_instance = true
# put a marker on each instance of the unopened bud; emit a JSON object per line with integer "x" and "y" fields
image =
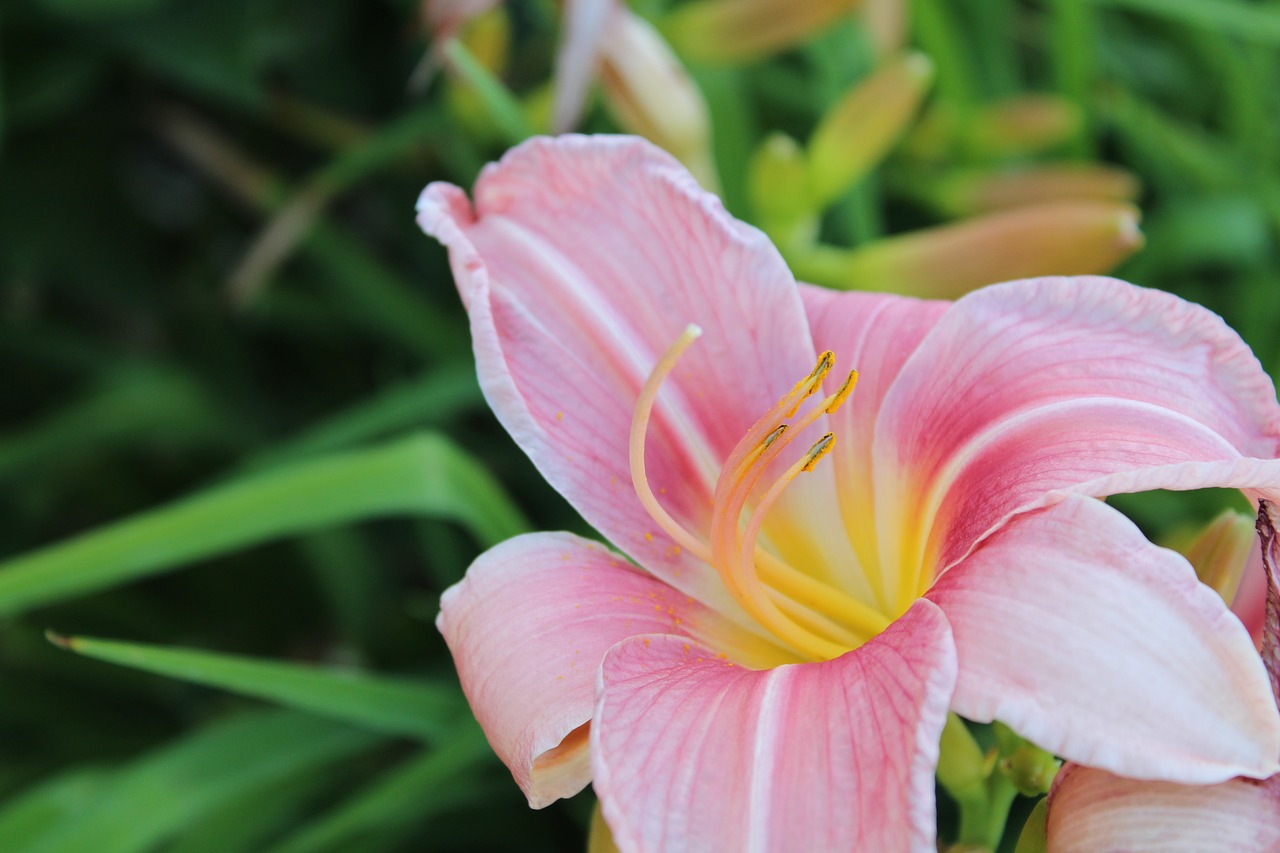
{"x": 984, "y": 191}
{"x": 1030, "y": 769}
{"x": 1062, "y": 238}
{"x": 649, "y": 93}
{"x": 885, "y": 22}
{"x": 1028, "y": 124}
{"x": 730, "y": 31}
{"x": 1220, "y": 552}
{"x": 777, "y": 182}
{"x": 859, "y": 130}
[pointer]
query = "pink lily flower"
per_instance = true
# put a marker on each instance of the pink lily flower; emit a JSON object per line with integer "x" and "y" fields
{"x": 820, "y": 575}
{"x": 1093, "y": 811}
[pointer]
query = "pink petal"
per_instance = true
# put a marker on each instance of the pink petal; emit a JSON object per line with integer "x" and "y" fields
{"x": 874, "y": 333}
{"x": 1091, "y": 811}
{"x": 582, "y": 262}
{"x": 584, "y": 23}
{"x": 528, "y": 627}
{"x": 1091, "y": 642}
{"x": 693, "y": 754}
{"x": 1047, "y": 384}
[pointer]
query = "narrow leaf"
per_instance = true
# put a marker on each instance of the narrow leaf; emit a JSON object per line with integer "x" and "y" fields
{"x": 415, "y": 791}
{"x": 424, "y": 475}
{"x": 419, "y": 709}
{"x": 162, "y": 792}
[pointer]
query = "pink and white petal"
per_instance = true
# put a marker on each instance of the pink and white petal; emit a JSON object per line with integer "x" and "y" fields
{"x": 1092, "y": 811}
{"x": 581, "y": 263}
{"x": 528, "y": 627}
{"x": 874, "y": 333}
{"x": 693, "y": 754}
{"x": 1009, "y": 361}
{"x": 577, "y": 58}
{"x": 1102, "y": 648}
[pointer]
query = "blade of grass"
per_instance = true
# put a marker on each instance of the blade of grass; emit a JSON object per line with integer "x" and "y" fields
{"x": 375, "y": 295}
{"x": 1072, "y": 39}
{"x": 294, "y": 218}
{"x": 502, "y": 106}
{"x": 1248, "y": 21}
{"x": 160, "y": 793}
{"x": 420, "y": 709}
{"x": 44, "y": 806}
{"x": 413, "y": 792}
{"x": 420, "y": 475}
{"x": 137, "y": 403}
{"x": 246, "y": 823}
{"x": 427, "y": 401}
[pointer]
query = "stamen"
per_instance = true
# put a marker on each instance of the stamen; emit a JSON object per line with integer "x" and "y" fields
{"x": 639, "y": 431}
{"x": 846, "y": 389}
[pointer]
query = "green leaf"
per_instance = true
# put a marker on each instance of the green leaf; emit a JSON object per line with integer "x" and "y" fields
{"x": 419, "y": 709}
{"x": 39, "y": 809}
{"x": 1249, "y": 21}
{"x": 415, "y": 791}
{"x": 423, "y": 475}
{"x": 427, "y": 401}
{"x": 500, "y": 103}
{"x": 162, "y": 792}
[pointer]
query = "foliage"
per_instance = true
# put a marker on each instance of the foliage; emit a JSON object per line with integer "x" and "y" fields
{"x": 227, "y": 350}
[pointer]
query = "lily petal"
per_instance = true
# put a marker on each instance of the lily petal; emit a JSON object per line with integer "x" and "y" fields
{"x": 1046, "y": 384}
{"x": 1091, "y": 811}
{"x": 582, "y": 261}
{"x": 1098, "y": 646}
{"x": 528, "y": 627}
{"x": 876, "y": 333}
{"x": 692, "y": 754}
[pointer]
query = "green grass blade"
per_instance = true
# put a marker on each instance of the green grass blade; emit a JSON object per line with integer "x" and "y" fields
{"x": 1248, "y": 21}
{"x": 422, "y": 475}
{"x": 162, "y": 792}
{"x": 413, "y": 792}
{"x": 425, "y": 402}
{"x": 419, "y": 709}
{"x": 36, "y": 811}
{"x": 500, "y": 103}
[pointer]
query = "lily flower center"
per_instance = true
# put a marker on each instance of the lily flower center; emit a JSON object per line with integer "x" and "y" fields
{"x": 810, "y": 616}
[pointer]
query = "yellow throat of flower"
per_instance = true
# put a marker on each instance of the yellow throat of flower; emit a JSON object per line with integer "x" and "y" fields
{"x": 811, "y": 617}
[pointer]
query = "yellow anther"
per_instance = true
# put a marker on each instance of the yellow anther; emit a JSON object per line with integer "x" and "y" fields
{"x": 773, "y": 436}
{"x": 811, "y": 383}
{"x": 820, "y": 448}
{"x": 838, "y": 398}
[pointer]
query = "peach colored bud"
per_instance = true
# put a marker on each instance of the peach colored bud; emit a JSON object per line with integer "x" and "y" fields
{"x": 885, "y": 22}
{"x": 864, "y": 124}
{"x": 1219, "y": 552}
{"x": 728, "y": 31}
{"x": 983, "y": 191}
{"x": 1027, "y": 124}
{"x": 649, "y": 93}
{"x": 1060, "y": 238}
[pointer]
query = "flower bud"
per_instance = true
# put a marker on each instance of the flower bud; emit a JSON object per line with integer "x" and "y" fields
{"x": 730, "y": 31}
{"x": 862, "y": 126}
{"x": 777, "y": 182}
{"x": 1061, "y": 238}
{"x": 1220, "y": 552}
{"x": 1027, "y": 124}
{"x": 650, "y": 94}
{"x": 984, "y": 191}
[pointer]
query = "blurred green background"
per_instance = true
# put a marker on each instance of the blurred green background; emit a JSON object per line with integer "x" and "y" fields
{"x": 227, "y": 350}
